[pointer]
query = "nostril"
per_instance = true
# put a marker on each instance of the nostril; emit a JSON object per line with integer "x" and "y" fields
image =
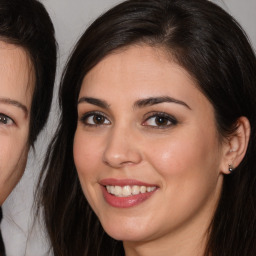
{"x": 118, "y": 161}
{"x": 121, "y": 148}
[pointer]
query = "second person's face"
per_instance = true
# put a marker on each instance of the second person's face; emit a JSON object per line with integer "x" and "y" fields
{"x": 16, "y": 87}
{"x": 146, "y": 147}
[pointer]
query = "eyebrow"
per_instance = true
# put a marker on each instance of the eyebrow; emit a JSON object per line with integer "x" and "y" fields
{"x": 14, "y": 103}
{"x": 138, "y": 104}
{"x": 157, "y": 100}
{"x": 94, "y": 101}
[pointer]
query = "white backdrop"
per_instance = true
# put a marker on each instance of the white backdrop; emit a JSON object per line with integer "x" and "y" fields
{"x": 70, "y": 19}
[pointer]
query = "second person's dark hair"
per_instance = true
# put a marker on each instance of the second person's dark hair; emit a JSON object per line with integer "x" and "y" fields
{"x": 26, "y": 23}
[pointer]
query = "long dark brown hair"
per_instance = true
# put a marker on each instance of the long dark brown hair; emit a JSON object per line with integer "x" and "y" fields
{"x": 213, "y": 48}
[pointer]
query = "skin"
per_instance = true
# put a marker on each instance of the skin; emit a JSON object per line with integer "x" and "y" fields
{"x": 185, "y": 158}
{"x": 16, "y": 84}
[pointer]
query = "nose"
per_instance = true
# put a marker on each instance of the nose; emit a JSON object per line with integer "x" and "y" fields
{"x": 122, "y": 148}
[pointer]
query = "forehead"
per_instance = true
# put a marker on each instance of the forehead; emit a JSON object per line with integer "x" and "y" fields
{"x": 141, "y": 72}
{"x": 139, "y": 67}
{"x": 16, "y": 74}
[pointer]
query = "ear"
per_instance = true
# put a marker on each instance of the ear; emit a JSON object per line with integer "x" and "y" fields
{"x": 236, "y": 145}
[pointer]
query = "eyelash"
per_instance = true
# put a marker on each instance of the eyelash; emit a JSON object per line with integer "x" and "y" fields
{"x": 171, "y": 121}
{"x": 5, "y": 120}
{"x": 85, "y": 117}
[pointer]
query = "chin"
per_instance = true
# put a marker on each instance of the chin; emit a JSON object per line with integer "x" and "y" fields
{"x": 127, "y": 234}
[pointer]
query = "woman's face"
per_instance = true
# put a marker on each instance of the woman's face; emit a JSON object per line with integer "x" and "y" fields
{"x": 16, "y": 80}
{"x": 146, "y": 148}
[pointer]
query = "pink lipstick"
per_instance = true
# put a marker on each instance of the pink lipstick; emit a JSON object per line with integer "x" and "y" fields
{"x": 126, "y": 193}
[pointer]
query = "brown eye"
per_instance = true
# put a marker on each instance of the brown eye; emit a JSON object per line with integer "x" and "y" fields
{"x": 160, "y": 120}
{"x": 94, "y": 119}
{"x": 98, "y": 119}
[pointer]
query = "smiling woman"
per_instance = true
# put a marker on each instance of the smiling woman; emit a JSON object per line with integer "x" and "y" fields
{"x": 154, "y": 153}
{"x": 27, "y": 74}
{"x": 140, "y": 151}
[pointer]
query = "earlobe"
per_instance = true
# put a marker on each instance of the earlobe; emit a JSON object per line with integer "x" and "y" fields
{"x": 236, "y": 146}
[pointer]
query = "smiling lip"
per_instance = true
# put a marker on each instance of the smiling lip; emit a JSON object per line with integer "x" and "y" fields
{"x": 135, "y": 192}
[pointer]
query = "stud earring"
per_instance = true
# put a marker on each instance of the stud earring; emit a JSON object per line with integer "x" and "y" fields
{"x": 230, "y": 168}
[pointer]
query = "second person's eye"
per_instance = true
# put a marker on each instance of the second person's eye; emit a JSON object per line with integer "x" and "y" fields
{"x": 5, "y": 120}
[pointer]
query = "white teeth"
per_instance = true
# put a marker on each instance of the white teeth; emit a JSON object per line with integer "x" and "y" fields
{"x": 135, "y": 190}
{"x": 127, "y": 190}
{"x": 118, "y": 191}
{"x": 112, "y": 190}
{"x": 149, "y": 189}
{"x": 143, "y": 189}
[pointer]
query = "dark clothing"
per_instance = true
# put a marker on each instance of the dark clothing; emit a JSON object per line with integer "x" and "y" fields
{"x": 2, "y": 250}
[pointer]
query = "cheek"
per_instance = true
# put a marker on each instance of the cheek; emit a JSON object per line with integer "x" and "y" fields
{"x": 86, "y": 155}
{"x": 185, "y": 159}
{"x": 87, "y": 158}
{"x": 13, "y": 148}
{"x": 188, "y": 173}
{"x": 13, "y": 158}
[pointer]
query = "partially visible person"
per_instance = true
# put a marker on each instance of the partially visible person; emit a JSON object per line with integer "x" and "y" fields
{"x": 27, "y": 75}
{"x": 155, "y": 150}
